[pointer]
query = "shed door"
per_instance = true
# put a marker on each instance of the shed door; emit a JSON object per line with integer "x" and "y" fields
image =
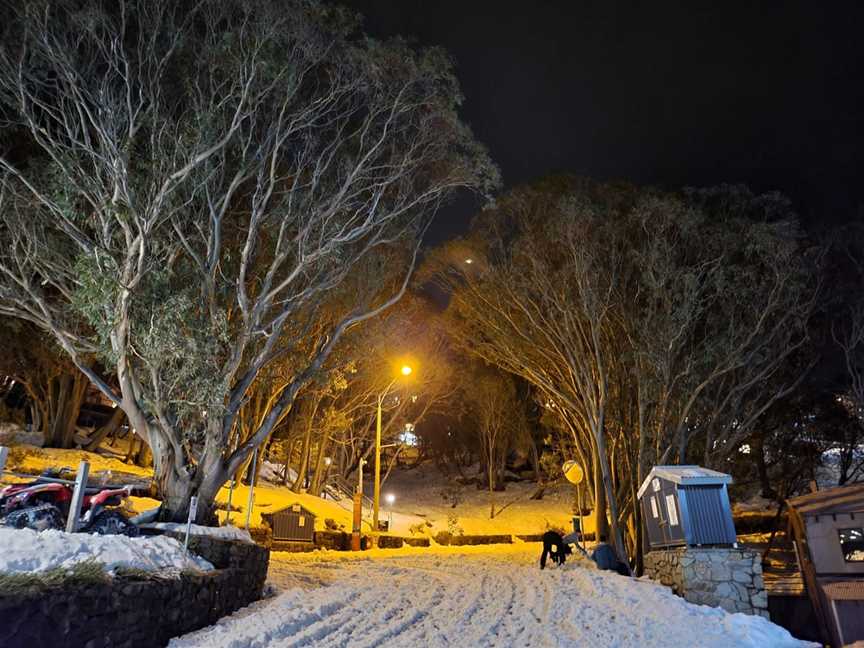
{"x": 653, "y": 521}
{"x": 671, "y": 513}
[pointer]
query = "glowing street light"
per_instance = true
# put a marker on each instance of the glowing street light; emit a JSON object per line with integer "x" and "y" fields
{"x": 406, "y": 370}
{"x": 469, "y": 261}
{"x": 390, "y": 498}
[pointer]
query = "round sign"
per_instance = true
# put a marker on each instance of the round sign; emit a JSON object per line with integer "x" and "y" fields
{"x": 573, "y": 472}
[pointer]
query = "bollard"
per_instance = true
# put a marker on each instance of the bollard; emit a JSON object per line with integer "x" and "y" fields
{"x": 4, "y": 455}
{"x": 77, "y": 497}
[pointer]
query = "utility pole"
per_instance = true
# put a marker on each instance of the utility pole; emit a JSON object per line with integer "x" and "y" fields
{"x": 376, "y": 500}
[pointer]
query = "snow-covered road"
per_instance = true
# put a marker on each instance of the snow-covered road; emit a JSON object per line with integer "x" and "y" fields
{"x": 473, "y": 597}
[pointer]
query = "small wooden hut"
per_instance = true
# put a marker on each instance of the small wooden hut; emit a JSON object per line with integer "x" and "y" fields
{"x": 293, "y": 523}
{"x": 686, "y": 505}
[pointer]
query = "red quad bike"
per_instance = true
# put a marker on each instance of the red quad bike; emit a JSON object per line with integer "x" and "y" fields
{"x": 45, "y": 502}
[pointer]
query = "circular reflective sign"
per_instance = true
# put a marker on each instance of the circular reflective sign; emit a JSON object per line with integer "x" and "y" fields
{"x": 573, "y": 472}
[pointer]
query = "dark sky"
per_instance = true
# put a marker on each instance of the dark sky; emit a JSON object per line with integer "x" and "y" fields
{"x": 666, "y": 93}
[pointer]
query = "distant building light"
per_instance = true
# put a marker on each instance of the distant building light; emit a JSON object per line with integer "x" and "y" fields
{"x": 407, "y": 437}
{"x": 469, "y": 261}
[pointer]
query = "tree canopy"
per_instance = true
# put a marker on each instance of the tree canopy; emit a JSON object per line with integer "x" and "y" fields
{"x": 209, "y": 187}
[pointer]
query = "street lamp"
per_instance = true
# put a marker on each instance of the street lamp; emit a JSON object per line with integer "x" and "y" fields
{"x": 376, "y": 500}
{"x": 390, "y": 498}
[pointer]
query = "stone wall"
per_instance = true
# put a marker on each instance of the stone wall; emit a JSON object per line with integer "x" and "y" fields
{"x": 341, "y": 541}
{"x": 719, "y": 577}
{"x": 132, "y": 611}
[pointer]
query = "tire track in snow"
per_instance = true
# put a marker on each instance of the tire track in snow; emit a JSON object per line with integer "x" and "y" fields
{"x": 492, "y": 600}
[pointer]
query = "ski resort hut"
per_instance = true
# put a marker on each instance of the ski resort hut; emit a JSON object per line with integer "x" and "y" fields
{"x": 686, "y": 505}
{"x": 293, "y": 523}
{"x": 828, "y": 526}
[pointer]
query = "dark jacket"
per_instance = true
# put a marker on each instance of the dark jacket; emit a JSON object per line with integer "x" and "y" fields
{"x": 605, "y": 557}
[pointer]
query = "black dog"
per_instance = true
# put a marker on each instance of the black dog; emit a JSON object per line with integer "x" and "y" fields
{"x": 553, "y": 544}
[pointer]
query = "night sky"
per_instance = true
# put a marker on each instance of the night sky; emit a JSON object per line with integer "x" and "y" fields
{"x": 770, "y": 94}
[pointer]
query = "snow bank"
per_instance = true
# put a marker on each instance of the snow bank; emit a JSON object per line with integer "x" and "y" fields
{"x": 498, "y": 599}
{"x": 25, "y": 550}
{"x": 225, "y": 532}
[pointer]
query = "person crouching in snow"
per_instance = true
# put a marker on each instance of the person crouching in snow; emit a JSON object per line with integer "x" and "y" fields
{"x": 604, "y": 557}
{"x": 554, "y": 545}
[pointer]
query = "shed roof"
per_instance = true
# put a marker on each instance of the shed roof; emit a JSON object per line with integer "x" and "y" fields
{"x": 842, "y": 499}
{"x": 685, "y": 476}
{"x": 291, "y": 507}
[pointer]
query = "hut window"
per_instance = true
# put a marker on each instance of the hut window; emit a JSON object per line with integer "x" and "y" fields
{"x": 852, "y": 544}
{"x": 672, "y": 510}
{"x": 653, "y": 506}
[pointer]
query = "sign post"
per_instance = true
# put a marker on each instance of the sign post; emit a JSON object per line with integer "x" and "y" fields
{"x": 4, "y": 454}
{"x": 574, "y": 474}
{"x": 193, "y": 511}
{"x": 77, "y": 497}
{"x": 251, "y": 501}
{"x": 230, "y": 495}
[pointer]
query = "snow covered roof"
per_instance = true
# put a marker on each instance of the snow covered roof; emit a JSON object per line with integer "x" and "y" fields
{"x": 685, "y": 476}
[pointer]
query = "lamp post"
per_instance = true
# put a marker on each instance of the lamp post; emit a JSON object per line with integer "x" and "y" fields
{"x": 390, "y": 498}
{"x": 376, "y": 500}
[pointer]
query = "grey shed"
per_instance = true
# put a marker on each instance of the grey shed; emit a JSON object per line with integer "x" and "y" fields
{"x": 686, "y": 505}
{"x": 293, "y": 523}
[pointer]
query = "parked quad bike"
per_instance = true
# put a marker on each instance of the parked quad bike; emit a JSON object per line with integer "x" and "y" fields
{"x": 44, "y": 504}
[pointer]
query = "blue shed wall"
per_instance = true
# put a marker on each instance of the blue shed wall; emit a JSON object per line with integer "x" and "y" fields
{"x": 707, "y": 515}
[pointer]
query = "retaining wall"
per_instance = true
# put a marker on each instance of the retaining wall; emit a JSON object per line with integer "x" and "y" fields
{"x": 719, "y": 577}
{"x": 136, "y": 611}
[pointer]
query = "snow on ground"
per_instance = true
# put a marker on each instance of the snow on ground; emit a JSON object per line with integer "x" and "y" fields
{"x": 33, "y": 460}
{"x": 424, "y": 494}
{"x": 423, "y": 499}
{"x": 489, "y": 596}
{"x": 25, "y": 550}
{"x": 223, "y": 532}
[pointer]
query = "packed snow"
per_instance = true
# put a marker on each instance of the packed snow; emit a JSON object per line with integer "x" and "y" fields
{"x": 223, "y": 532}
{"x": 27, "y": 551}
{"x": 489, "y": 596}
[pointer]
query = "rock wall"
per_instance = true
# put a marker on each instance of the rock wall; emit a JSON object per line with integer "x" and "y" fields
{"x": 719, "y": 577}
{"x": 133, "y": 611}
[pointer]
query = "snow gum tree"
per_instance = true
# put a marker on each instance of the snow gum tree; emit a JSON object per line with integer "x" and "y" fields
{"x": 192, "y": 186}
{"x": 493, "y": 397}
{"x": 647, "y": 322}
